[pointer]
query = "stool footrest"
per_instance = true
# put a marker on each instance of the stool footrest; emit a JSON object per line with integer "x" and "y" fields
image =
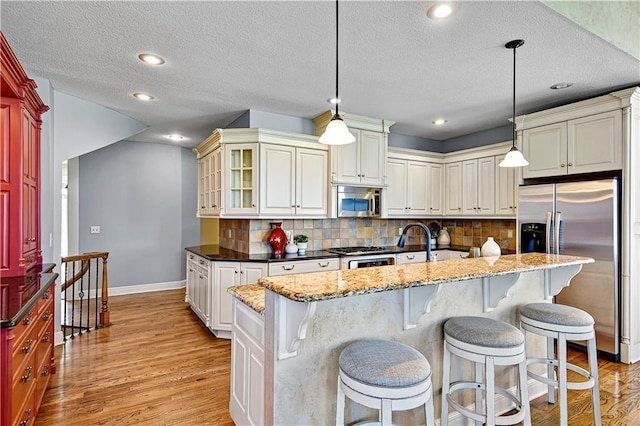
{"x": 588, "y": 384}
{"x": 479, "y": 415}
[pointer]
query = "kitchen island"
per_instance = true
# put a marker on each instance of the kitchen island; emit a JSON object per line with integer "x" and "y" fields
{"x": 309, "y": 318}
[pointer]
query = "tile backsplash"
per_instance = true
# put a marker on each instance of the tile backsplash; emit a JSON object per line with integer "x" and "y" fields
{"x": 251, "y": 235}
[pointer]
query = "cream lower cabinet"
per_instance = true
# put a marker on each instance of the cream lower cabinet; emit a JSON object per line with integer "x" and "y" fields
{"x": 293, "y": 181}
{"x": 582, "y": 145}
{"x": 303, "y": 266}
{"x": 247, "y": 366}
{"x": 225, "y": 275}
{"x": 198, "y": 287}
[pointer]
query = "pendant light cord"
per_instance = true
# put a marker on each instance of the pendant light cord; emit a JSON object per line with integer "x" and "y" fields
{"x": 337, "y": 98}
{"x": 514, "y": 95}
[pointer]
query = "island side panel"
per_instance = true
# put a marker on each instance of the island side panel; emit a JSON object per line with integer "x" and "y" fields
{"x": 303, "y": 388}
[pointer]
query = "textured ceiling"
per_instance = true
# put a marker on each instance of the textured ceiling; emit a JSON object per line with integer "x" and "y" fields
{"x": 225, "y": 57}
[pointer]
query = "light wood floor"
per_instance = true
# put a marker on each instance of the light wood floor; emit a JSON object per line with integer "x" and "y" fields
{"x": 158, "y": 365}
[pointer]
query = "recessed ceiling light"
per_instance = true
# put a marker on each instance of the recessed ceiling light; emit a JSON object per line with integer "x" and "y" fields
{"x": 440, "y": 10}
{"x": 559, "y": 86}
{"x": 439, "y": 121}
{"x": 175, "y": 137}
{"x": 151, "y": 59}
{"x": 143, "y": 96}
{"x": 334, "y": 101}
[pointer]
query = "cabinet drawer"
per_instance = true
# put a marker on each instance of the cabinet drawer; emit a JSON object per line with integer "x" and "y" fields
{"x": 45, "y": 344}
{"x": 249, "y": 322}
{"x": 25, "y": 325}
{"x": 44, "y": 372}
{"x": 24, "y": 348}
{"x": 24, "y": 413}
{"x": 23, "y": 387}
{"x": 46, "y": 301}
{"x": 303, "y": 266}
{"x": 417, "y": 257}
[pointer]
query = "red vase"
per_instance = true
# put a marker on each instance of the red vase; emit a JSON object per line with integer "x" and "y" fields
{"x": 278, "y": 240}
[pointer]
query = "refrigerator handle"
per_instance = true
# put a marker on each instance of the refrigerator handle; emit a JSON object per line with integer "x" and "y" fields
{"x": 547, "y": 242}
{"x": 556, "y": 232}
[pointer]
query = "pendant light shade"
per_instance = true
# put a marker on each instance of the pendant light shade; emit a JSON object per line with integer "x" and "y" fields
{"x": 514, "y": 158}
{"x": 336, "y": 132}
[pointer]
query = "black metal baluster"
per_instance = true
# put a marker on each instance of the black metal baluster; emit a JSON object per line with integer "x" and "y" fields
{"x": 81, "y": 296}
{"x": 64, "y": 303}
{"x": 73, "y": 301}
{"x": 97, "y": 281}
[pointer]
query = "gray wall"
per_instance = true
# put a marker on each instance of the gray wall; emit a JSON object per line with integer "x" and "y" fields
{"x": 413, "y": 142}
{"x": 474, "y": 140}
{"x": 142, "y": 196}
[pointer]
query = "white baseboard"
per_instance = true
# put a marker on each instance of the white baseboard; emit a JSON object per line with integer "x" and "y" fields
{"x": 503, "y": 405}
{"x": 146, "y": 288}
{"x": 58, "y": 338}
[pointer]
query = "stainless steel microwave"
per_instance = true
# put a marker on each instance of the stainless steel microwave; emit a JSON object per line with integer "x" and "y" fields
{"x": 358, "y": 202}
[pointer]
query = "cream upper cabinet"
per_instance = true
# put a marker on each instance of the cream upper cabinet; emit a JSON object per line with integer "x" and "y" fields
{"x": 581, "y": 145}
{"x": 506, "y": 190}
{"x": 414, "y": 187}
{"x": 453, "y": 192}
{"x": 249, "y": 173}
{"x": 293, "y": 181}
{"x": 361, "y": 162}
{"x": 241, "y": 163}
{"x": 435, "y": 182}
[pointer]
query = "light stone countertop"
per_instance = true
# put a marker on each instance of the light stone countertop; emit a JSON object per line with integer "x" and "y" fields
{"x": 251, "y": 295}
{"x": 352, "y": 282}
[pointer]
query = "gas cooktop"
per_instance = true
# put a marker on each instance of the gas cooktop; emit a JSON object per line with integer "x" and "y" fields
{"x": 359, "y": 250}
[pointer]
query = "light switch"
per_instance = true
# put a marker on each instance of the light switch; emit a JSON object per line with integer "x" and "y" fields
{"x": 509, "y": 233}
{"x": 95, "y": 229}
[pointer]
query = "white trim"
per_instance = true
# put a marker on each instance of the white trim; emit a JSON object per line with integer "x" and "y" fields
{"x": 58, "y": 338}
{"x": 146, "y": 288}
{"x": 503, "y": 405}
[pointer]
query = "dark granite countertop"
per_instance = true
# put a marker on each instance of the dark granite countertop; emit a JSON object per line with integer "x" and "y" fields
{"x": 217, "y": 253}
{"x": 19, "y": 294}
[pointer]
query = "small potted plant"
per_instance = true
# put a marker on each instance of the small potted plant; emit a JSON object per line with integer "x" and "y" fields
{"x": 301, "y": 241}
{"x": 434, "y": 228}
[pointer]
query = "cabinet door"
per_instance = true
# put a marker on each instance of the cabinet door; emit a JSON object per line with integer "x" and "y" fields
{"x": 251, "y": 272}
{"x": 204, "y": 299}
{"x": 545, "y": 148}
{"x": 434, "y": 188}
{"x": 413, "y": 257}
{"x": 30, "y": 178}
{"x": 225, "y": 275}
{"x": 595, "y": 143}
{"x": 505, "y": 189}
{"x": 311, "y": 182}
{"x": 453, "y": 194}
{"x": 191, "y": 279}
{"x": 216, "y": 164}
{"x": 470, "y": 203}
{"x": 277, "y": 179}
{"x": 417, "y": 172}
{"x": 241, "y": 179}
{"x": 486, "y": 185}
{"x": 203, "y": 186}
{"x": 346, "y": 161}
{"x": 396, "y": 197}
{"x": 372, "y": 157}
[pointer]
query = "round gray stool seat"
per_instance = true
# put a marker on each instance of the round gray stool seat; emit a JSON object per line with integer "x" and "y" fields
{"x": 556, "y": 317}
{"x": 483, "y": 333}
{"x": 384, "y": 363}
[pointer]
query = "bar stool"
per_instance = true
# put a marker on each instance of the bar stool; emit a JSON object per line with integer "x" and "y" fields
{"x": 489, "y": 342}
{"x": 385, "y": 375}
{"x": 564, "y": 323}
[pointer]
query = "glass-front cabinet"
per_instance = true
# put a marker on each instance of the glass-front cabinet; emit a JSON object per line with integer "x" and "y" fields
{"x": 242, "y": 161}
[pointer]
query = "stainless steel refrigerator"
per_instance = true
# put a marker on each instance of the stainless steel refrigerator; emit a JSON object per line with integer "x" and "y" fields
{"x": 580, "y": 219}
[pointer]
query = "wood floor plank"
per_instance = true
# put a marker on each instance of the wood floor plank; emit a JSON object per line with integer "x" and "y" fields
{"x": 158, "y": 365}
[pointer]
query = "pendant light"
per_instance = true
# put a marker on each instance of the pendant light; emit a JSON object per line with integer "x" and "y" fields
{"x": 336, "y": 132}
{"x": 514, "y": 157}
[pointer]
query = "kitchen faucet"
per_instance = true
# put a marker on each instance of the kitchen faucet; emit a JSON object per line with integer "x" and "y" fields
{"x": 426, "y": 230}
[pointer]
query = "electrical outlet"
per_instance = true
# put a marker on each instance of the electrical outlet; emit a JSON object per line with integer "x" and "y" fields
{"x": 399, "y": 231}
{"x": 510, "y": 233}
{"x": 95, "y": 229}
{"x": 229, "y": 233}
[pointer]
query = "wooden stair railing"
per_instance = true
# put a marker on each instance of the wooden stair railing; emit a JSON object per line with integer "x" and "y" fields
{"x": 85, "y": 284}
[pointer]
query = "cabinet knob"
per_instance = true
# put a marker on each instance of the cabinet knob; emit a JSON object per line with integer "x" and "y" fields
{"x": 293, "y": 206}
{"x": 26, "y": 349}
{"x": 27, "y": 376}
{"x": 323, "y": 265}
{"x": 298, "y": 206}
{"x": 562, "y": 165}
{"x": 288, "y": 269}
{"x": 570, "y": 164}
{"x": 411, "y": 257}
